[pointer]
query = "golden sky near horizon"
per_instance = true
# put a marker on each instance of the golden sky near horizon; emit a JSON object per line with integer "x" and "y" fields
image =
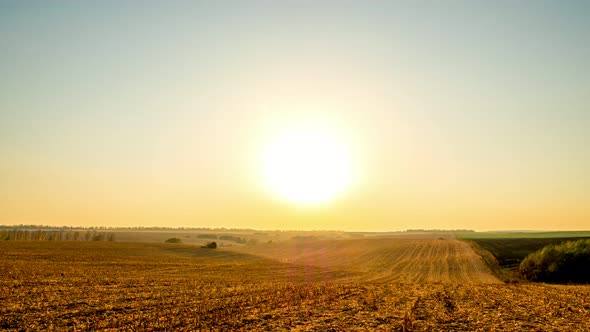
{"x": 370, "y": 117}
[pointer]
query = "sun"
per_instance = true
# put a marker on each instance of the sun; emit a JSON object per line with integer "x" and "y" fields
{"x": 307, "y": 164}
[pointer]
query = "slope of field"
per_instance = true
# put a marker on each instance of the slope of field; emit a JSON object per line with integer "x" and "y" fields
{"x": 67, "y": 286}
{"x": 427, "y": 259}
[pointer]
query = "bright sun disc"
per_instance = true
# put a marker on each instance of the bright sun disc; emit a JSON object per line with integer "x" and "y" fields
{"x": 307, "y": 165}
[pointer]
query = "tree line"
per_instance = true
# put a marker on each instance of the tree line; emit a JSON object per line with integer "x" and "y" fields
{"x": 54, "y": 235}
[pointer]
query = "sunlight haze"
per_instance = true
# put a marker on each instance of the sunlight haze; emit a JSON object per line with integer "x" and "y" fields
{"x": 360, "y": 116}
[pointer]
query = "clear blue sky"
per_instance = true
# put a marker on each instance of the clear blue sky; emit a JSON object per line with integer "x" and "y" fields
{"x": 469, "y": 114}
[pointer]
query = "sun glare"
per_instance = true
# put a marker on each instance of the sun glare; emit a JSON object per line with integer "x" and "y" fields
{"x": 307, "y": 164}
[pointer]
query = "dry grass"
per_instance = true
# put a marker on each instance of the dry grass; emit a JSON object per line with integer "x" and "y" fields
{"x": 106, "y": 286}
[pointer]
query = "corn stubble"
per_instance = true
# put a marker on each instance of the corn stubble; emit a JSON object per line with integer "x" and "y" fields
{"x": 111, "y": 286}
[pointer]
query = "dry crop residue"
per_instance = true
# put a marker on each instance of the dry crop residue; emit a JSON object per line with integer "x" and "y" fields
{"x": 409, "y": 260}
{"x": 67, "y": 286}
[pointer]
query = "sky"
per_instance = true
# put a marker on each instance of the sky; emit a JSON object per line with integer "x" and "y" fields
{"x": 457, "y": 114}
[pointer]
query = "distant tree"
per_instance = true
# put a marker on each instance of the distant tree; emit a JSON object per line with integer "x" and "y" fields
{"x": 173, "y": 240}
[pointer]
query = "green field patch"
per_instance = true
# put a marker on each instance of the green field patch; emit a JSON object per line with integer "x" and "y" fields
{"x": 522, "y": 235}
{"x": 509, "y": 252}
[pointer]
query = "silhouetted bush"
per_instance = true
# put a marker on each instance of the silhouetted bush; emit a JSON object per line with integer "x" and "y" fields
{"x": 562, "y": 263}
{"x": 173, "y": 240}
{"x": 210, "y": 245}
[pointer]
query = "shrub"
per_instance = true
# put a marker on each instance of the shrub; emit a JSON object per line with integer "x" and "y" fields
{"x": 173, "y": 240}
{"x": 210, "y": 245}
{"x": 562, "y": 263}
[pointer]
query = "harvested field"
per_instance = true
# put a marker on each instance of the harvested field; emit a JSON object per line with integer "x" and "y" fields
{"x": 130, "y": 286}
{"x": 427, "y": 259}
